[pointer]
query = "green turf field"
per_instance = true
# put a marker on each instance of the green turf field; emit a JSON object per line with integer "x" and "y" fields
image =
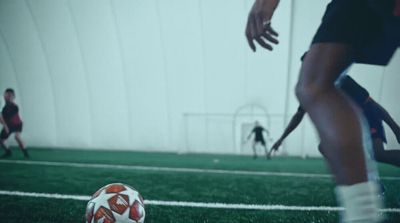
{"x": 165, "y": 185}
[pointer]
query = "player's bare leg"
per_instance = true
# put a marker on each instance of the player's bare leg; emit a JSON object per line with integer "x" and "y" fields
{"x": 373, "y": 177}
{"x": 339, "y": 128}
{"x": 7, "y": 151}
{"x": 21, "y": 144}
{"x": 385, "y": 156}
{"x": 266, "y": 151}
{"x": 254, "y": 150}
{"x": 269, "y": 154}
{"x": 332, "y": 113}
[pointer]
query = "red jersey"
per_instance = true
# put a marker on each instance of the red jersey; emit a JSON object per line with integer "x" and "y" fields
{"x": 10, "y": 114}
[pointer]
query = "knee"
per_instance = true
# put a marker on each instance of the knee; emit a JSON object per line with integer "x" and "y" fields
{"x": 313, "y": 84}
{"x": 305, "y": 93}
{"x": 309, "y": 91}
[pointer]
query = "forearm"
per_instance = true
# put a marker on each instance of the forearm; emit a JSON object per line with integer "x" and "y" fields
{"x": 391, "y": 122}
{"x": 293, "y": 124}
{"x": 387, "y": 118}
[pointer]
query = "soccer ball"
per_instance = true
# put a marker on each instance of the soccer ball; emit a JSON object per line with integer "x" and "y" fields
{"x": 115, "y": 203}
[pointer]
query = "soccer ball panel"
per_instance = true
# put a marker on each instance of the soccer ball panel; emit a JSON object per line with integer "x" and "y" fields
{"x": 115, "y": 188}
{"x": 104, "y": 215}
{"x": 137, "y": 212}
{"x": 119, "y": 203}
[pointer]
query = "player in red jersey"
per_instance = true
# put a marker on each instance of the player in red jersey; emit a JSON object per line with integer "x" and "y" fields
{"x": 12, "y": 123}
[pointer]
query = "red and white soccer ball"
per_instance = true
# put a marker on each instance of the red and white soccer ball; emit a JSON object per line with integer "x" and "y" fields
{"x": 115, "y": 203}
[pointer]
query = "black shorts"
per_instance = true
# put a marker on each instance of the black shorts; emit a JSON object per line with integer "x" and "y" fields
{"x": 262, "y": 141}
{"x": 12, "y": 129}
{"x": 374, "y": 37}
{"x": 375, "y": 122}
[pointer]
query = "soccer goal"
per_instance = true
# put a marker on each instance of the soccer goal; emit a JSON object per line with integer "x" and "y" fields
{"x": 223, "y": 132}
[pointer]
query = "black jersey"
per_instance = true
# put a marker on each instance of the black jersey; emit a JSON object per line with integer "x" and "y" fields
{"x": 351, "y": 88}
{"x": 258, "y": 133}
{"x": 10, "y": 114}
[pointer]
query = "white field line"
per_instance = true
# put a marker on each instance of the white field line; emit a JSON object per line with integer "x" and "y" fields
{"x": 194, "y": 204}
{"x": 174, "y": 169}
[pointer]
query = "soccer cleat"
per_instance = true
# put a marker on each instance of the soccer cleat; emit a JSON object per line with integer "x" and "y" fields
{"x": 6, "y": 154}
{"x": 26, "y": 155}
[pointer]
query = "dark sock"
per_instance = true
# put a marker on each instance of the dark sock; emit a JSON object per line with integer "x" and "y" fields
{"x": 7, "y": 153}
{"x": 25, "y": 153}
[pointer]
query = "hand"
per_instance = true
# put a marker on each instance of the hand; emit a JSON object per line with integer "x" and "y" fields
{"x": 276, "y": 145}
{"x": 258, "y": 26}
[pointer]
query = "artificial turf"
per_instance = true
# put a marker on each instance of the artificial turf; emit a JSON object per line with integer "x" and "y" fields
{"x": 174, "y": 186}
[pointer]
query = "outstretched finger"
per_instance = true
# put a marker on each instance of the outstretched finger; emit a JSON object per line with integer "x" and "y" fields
{"x": 270, "y": 38}
{"x": 270, "y": 30}
{"x": 251, "y": 43}
{"x": 263, "y": 43}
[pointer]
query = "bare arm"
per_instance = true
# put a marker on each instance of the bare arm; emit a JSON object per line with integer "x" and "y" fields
{"x": 251, "y": 133}
{"x": 3, "y": 123}
{"x": 294, "y": 122}
{"x": 387, "y": 118}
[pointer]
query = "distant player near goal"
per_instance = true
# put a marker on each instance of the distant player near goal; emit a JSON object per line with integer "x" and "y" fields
{"x": 12, "y": 123}
{"x": 258, "y": 138}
